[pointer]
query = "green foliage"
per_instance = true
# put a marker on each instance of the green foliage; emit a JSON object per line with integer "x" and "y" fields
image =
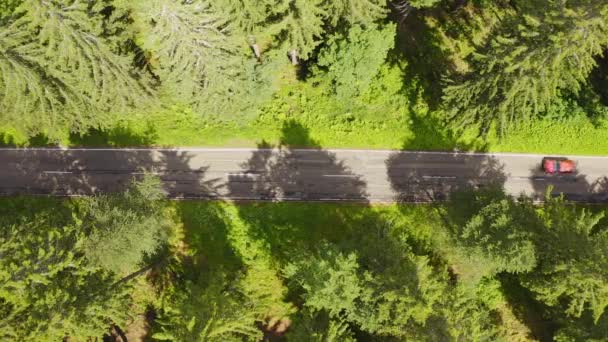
{"x": 186, "y": 43}
{"x": 123, "y": 229}
{"x": 334, "y": 283}
{"x": 310, "y": 272}
{"x": 249, "y": 16}
{"x": 316, "y": 327}
{"x": 423, "y": 3}
{"x": 353, "y": 62}
{"x": 57, "y": 63}
{"x": 532, "y": 59}
{"x": 210, "y": 310}
{"x": 496, "y": 239}
{"x": 48, "y": 290}
{"x": 229, "y": 298}
{"x": 296, "y": 24}
{"x": 468, "y": 317}
{"x": 356, "y": 11}
{"x": 303, "y": 24}
{"x": 572, "y": 271}
{"x": 7, "y": 8}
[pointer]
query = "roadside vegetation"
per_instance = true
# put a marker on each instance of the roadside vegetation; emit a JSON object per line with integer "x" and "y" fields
{"x": 503, "y": 75}
{"x": 483, "y": 266}
{"x": 479, "y": 75}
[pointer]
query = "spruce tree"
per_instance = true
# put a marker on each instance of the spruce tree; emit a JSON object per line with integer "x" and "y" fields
{"x": 496, "y": 239}
{"x": 125, "y": 228}
{"x": 572, "y": 271}
{"x": 58, "y": 72}
{"x": 545, "y": 50}
{"x": 213, "y": 309}
{"x": 48, "y": 290}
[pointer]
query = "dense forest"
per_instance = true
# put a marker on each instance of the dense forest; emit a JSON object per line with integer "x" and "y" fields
{"x": 356, "y": 72}
{"x": 484, "y": 75}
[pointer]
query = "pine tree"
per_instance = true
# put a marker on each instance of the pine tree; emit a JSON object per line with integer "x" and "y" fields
{"x": 317, "y": 327}
{"x": 496, "y": 239}
{"x": 397, "y": 301}
{"x": 303, "y": 26}
{"x": 546, "y": 50}
{"x": 250, "y": 17}
{"x": 572, "y": 271}
{"x": 57, "y": 70}
{"x": 47, "y": 289}
{"x": 184, "y": 40}
{"x": 122, "y": 229}
{"x": 210, "y": 310}
{"x": 362, "y": 12}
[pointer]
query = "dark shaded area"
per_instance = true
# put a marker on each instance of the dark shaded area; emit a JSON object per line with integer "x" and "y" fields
{"x": 56, "y": 212}
{"x": 533, "y": 313}
{"x": 432, "y": 179}
{"x": 280, "y": 173}
{"x": 7, "y": 140}
{"x": 427, "y": 63}
{"x": 38, "y": 140}
{"x": 430, "y": 134}
{"x": 115, "y": 333}
{"x": 118, "y": 136}
{"x": 598, "y": 78}
{"x": 78, "y": 172}
{"x": 424, "y": 177}
{"x": 41, "y": 140}
{"x": 206, "y": 235}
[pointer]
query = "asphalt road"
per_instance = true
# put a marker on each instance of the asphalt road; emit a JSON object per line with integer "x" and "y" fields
{"x": 293, "y": 174}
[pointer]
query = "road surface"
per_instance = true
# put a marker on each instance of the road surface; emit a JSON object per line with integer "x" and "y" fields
{"x": 293, "y": 174}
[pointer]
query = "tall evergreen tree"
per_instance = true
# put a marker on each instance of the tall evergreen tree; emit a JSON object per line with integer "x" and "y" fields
{"x": 48, "y": 290}
{"x": 122, "y": 229}
{"x": 546, "y": 49}
{"x": 399, "y": 305}
{"x": 305, "y": 22}
{"x": 57, "y": 70}
{"x": 496, "y": 239}
{"x": 572, "y": 271}
{"x": 210, "y": 310}
{"x": 185, "y": 41}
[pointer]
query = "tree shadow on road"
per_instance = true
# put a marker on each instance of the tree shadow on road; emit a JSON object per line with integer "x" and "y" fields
{"x": 576, "y": 186}
{"x": 281, "y": 172}
{"x": 77, "y": 172}
{"x": 429, "y": 176}
{"x": 284, "y": 173}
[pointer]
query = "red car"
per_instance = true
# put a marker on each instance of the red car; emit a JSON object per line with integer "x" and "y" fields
{"x": 558, "y": 165}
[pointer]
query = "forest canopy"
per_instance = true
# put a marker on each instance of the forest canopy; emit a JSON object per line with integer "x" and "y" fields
{"x": 486, "y": 66}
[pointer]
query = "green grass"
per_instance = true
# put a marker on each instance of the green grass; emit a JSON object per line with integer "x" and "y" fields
{"x": 574, "y": 137}
{"x": 184, "y": 129}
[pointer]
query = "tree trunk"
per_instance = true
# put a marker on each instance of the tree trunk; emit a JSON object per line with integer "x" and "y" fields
{"x": 256, "y": 51}
{"x": 293, "y": 55}
{"x": 137, "y": 273}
